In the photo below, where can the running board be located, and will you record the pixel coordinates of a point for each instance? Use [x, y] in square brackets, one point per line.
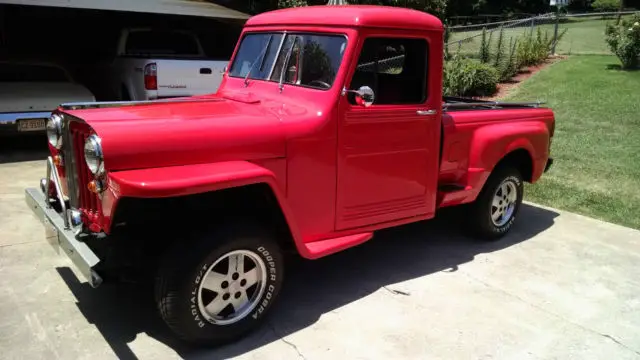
[326, 247]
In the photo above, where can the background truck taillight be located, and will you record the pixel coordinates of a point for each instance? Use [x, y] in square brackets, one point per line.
[151, 76]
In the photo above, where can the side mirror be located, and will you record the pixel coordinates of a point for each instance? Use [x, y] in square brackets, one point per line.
[364, 95]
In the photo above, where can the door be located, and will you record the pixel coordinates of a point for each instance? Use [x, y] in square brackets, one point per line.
[388, 152]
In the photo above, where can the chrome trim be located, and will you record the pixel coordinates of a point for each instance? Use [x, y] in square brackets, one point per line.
[71, 167]
[426, 112]
[12, 118]
[106, 104]
[75, 217]
[56, 120]
[59, 194]
[364, 95]
[286, 61]
[80, 253]
[44, 184]
[273, 66]
[490, 104]
[96, 143]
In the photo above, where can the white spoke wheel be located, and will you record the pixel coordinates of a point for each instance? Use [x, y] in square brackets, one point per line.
[232, 286]
[214, 287]
[493, 213]
[504, 202]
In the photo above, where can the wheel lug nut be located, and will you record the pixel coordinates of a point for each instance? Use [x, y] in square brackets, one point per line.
[224, 284]
[243, 282]
[225, 297]
[237, 295]
[235, 276]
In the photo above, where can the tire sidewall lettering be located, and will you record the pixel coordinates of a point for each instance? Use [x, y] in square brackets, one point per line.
[271, 279]
[268, 295]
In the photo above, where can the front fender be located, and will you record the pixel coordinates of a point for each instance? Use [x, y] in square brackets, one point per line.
[192, 179]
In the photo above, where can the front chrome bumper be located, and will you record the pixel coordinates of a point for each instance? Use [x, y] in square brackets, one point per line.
[61, 235]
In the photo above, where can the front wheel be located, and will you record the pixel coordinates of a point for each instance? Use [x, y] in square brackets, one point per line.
[493, 213]
[220, 286]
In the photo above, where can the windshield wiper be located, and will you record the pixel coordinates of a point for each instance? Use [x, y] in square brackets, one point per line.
[260, 56]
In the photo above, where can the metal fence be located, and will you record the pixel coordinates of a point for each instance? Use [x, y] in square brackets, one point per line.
[577, 33]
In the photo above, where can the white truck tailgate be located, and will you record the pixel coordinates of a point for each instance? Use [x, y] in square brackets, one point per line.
[188, 77]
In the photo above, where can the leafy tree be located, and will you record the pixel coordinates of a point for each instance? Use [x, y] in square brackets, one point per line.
[606, 5]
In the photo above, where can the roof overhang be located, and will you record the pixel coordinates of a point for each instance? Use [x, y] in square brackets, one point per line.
[199, 8]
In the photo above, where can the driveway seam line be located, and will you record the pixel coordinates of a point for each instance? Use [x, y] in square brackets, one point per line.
[553, 314]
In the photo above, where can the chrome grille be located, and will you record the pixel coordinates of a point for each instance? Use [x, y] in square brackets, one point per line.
[87, 200]
[77, 172]
[70, 163]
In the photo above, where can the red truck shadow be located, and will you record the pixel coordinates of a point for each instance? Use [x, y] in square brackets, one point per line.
[121, 312]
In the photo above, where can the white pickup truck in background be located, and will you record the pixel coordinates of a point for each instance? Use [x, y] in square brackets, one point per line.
[154, 64]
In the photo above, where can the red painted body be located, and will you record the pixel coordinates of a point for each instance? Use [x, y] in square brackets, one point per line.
[339, 171]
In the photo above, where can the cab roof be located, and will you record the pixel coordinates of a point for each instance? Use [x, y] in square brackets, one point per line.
[349, 16]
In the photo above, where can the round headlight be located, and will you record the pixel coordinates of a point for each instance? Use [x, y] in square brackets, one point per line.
[54, 131]
[93, 155]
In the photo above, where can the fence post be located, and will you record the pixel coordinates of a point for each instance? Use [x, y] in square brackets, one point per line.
[555, 31]
[533, 23]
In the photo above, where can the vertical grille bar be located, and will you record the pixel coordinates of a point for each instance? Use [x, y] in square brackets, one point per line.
[87, 201]
[77, 140]
[68, 145]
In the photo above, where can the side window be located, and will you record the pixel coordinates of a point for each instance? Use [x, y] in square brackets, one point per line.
[395, 68]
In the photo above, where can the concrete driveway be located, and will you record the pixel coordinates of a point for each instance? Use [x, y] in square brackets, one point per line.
[560, 286]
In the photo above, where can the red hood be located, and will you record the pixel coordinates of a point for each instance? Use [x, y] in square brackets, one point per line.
[182, 133]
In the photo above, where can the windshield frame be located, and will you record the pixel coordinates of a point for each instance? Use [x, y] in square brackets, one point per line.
[281, 48]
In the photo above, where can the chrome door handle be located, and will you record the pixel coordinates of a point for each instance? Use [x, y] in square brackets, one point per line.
[426, 112]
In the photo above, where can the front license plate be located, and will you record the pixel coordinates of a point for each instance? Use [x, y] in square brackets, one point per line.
[51, 234]
[31, 124]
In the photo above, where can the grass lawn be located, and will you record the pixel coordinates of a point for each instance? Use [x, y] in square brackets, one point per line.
[597, 141]
[584, 36]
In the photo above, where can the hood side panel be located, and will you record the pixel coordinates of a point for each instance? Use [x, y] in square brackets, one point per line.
[173, 134]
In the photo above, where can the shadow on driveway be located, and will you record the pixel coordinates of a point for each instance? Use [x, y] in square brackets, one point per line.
[312, 288]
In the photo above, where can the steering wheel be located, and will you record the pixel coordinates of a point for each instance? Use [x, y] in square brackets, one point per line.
[321, 83]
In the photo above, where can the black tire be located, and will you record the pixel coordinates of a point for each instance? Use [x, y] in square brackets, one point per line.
[479, 220]
[182, 271]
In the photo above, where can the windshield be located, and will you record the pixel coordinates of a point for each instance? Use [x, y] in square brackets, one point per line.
[312, 60]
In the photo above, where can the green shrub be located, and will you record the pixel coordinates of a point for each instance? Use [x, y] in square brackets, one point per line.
[624, 41]
[509, 68]
[606, 5]
[467, 77]
[533, 50]
[499, 58]
[485, 47]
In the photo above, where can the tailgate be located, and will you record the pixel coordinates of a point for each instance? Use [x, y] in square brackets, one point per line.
[188, 77]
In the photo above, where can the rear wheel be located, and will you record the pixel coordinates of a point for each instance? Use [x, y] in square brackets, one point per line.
[220, 286]
[494, 212]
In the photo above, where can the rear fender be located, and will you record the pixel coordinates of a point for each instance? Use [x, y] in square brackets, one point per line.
[490, 144]
[178, 181]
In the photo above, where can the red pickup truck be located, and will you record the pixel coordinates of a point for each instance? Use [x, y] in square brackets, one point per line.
[329, 125]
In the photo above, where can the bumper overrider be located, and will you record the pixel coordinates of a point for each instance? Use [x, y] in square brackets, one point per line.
[62, 228]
